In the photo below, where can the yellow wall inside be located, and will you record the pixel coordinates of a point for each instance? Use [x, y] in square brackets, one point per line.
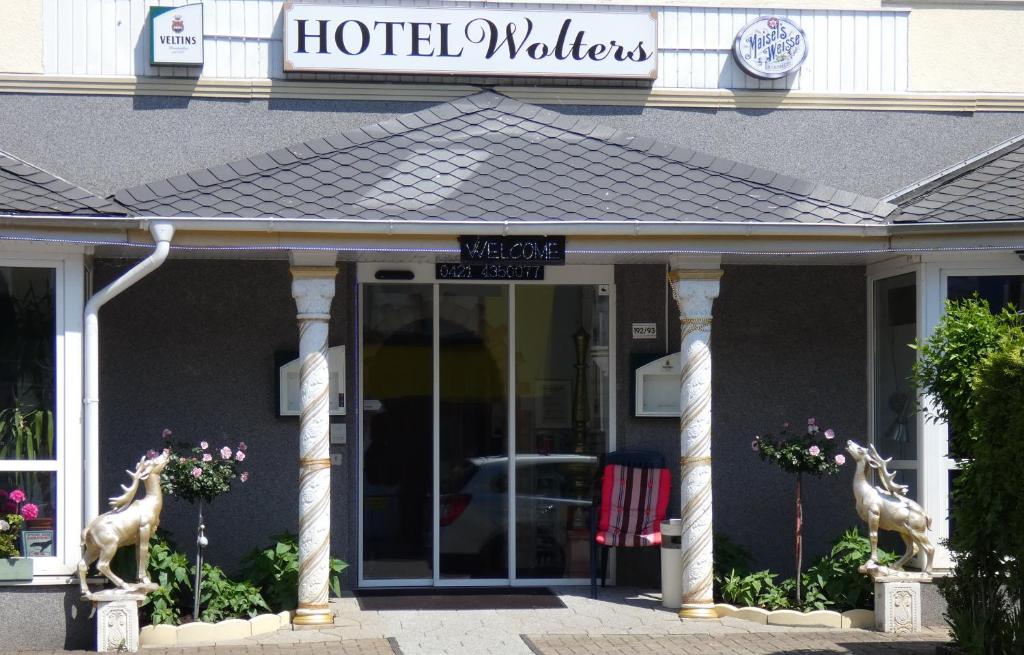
[21, 43]
[967, 50]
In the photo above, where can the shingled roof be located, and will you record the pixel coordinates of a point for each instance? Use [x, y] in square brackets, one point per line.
[989, 187]
[488, 157]
[27, 189]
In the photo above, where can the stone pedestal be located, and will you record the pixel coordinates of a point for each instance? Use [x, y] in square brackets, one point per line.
[117, 620]
[897, 606]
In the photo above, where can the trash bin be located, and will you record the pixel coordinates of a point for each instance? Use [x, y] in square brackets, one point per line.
[671, 564]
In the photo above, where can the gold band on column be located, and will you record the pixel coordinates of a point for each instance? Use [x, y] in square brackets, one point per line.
[315, 616]
[698, 613]
[315, 464]
[677, 274]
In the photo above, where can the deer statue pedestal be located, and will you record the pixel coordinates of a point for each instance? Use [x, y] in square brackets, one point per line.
[117, 618]
[898, 604]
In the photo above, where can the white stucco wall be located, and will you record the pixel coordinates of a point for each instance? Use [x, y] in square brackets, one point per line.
[21, 45]
[967, 48]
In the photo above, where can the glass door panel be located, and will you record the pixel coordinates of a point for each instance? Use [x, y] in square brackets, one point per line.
[561, 400]
[895, 397]
[473, 438]
[398, 387]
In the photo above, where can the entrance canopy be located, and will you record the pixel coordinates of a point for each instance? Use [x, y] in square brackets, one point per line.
[489, 158]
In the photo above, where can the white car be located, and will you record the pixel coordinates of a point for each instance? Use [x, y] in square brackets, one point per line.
[474, 517]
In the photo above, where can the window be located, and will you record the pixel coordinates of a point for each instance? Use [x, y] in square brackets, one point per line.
[40, 317]
[906, 300]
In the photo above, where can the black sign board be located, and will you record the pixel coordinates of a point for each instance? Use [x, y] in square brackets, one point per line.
[488, 272]
[474, 249]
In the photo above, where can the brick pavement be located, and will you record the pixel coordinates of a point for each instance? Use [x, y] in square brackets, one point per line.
[620, 622]
[804, 642]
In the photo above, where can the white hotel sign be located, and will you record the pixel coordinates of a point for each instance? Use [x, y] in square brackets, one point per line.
[461, 41]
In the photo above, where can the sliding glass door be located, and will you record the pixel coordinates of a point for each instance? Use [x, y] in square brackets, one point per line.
[486, 406]
[473, 435]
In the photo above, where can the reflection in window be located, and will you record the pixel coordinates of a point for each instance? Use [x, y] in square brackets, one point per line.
[27, 393]
[895, 327]
[998, 290]
[27, 345]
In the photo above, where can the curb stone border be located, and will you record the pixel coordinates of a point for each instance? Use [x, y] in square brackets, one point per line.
[200, 632]
[857, 619]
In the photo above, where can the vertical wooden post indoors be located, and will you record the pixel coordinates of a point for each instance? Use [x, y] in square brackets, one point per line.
[695, 289]
[313, 290]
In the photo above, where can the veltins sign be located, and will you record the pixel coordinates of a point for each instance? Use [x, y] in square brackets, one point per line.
[480, 41]
[770, 47]
[177, 35]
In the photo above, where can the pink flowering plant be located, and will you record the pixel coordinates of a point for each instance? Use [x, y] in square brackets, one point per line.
[199, 472]
[14, 511]
[812, 452]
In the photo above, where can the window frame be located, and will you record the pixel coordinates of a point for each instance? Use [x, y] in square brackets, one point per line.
[69, 295]
[932, 465]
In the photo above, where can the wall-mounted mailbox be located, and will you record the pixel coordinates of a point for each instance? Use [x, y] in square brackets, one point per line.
[289, 401]
[658, 385]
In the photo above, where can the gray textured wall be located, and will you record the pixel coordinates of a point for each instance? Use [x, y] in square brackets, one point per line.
[109, 143]
[788, 343]
[191, 348]
[44, 618]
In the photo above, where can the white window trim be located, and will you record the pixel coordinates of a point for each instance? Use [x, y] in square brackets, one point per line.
[69, 292]
[929, 465]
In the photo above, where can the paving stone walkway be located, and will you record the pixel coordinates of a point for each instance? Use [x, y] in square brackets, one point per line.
[804, 642]
[619, 622]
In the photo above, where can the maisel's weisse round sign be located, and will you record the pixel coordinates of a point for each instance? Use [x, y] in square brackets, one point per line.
[770, 47]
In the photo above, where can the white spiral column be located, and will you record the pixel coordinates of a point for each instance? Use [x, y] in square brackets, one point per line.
[695, 290]
[313, 289]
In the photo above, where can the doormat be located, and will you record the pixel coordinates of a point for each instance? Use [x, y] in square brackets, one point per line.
[503, 598]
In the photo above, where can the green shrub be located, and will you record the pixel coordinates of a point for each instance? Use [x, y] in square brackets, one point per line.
[729, 556]
[168, 568]
[984, 595]
[222, 598]
[834, 582]
[947, 362]
[757, 590]
[275, 570]
[974, 365]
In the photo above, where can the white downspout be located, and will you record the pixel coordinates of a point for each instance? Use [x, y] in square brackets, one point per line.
[162, 234]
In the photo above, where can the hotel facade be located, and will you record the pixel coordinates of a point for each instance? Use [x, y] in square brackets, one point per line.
[507, 238]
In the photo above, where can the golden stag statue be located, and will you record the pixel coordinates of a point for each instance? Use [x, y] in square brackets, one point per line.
[888, 507]
[125, 524]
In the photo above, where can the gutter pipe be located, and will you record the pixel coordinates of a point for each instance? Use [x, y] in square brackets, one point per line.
[162, 233]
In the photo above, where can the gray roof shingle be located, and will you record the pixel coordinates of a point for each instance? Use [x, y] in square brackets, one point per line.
[488, 157]
[27, 189]
[989, 187]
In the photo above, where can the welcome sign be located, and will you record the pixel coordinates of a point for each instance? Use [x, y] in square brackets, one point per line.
[469, 41]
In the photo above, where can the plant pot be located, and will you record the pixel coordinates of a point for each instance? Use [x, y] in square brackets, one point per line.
[39, 524]
[16, 569]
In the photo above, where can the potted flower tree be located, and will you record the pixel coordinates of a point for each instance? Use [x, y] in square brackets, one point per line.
[812, 452]
[198, 475]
